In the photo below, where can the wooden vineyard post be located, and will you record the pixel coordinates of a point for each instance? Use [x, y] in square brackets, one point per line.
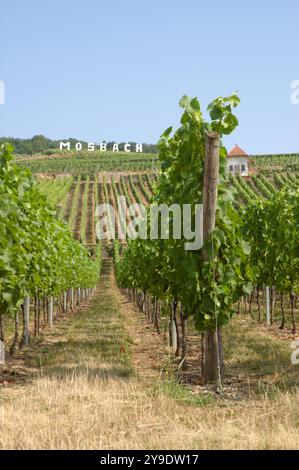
[72, 298]
[2, 345]
[212, 345]
[50, 312]
[65, 302]
[2, 353]
[268, 318]
[68, 300]
[26, 319]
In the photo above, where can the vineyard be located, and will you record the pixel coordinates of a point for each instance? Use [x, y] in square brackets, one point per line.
[240, 253]
[76, 200]
[76, 197]
[44, 270]
[80, 162]
[90, 163]
[149, 232]
[192, 323]
[276, 163]
[162, 302]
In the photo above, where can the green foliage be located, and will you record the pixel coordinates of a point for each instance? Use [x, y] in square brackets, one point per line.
[260, 187]
[75, 203]
[56, 191]
[271, 227]
[84, 212]
[270, 164]
[38, 254]
[81, 163]
[207, 289]
[223, 120]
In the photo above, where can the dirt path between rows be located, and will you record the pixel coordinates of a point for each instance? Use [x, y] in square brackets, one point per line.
[149, 350]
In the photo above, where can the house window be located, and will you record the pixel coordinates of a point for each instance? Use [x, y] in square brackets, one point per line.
[243, 168]
[231, 168]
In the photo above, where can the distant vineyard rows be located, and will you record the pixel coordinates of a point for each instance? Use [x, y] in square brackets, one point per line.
[89, 164]
[77, 197]
[82, 162]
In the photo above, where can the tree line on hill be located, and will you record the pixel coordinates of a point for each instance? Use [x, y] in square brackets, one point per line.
[41, 144]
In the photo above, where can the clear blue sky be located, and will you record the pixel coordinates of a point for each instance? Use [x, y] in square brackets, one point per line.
[116, 69]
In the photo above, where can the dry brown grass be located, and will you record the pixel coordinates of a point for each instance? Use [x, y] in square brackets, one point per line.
[86, 396]
[83, 413]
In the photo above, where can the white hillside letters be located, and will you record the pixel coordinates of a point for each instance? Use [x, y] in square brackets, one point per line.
[102, 146]
[65, 146]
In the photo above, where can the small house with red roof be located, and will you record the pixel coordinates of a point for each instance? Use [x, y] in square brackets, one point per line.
[238, 162]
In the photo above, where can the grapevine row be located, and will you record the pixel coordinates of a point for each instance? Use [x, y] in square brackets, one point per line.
[39, 258]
